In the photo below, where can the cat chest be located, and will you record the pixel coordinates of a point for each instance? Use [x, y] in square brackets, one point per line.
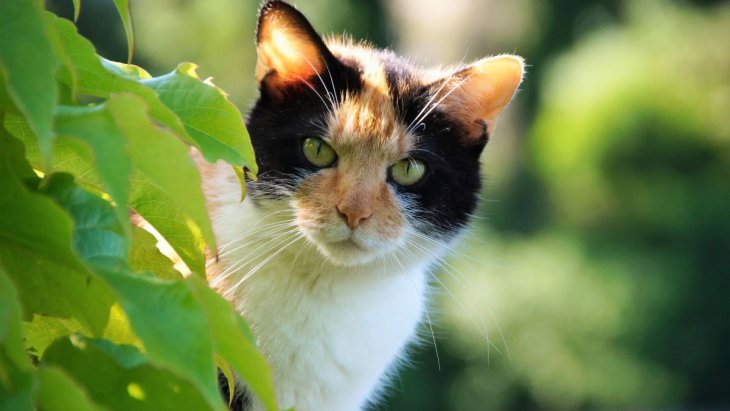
[333, 335]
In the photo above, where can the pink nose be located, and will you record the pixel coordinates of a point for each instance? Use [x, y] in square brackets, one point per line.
[354, 213]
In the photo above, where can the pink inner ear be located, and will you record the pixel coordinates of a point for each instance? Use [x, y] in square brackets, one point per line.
[289, 53]
[483, 91]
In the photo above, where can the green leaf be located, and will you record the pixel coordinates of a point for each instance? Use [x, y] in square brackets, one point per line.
[35, 249]
[160, 210]
[28, 64]
[101, 80]
[172, 326]
[165, 183]
[95, 126]
[126, 15]
[77, 9]
[234, 341]
[120, 377]
[41, 331]
[11, 340]
[163, 160]
[16, 386]
[213, 122]
[129, 71]
[144, 256]
[58, 392]
[164, 314]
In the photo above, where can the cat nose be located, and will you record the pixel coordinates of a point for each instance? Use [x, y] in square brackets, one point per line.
[354, 213]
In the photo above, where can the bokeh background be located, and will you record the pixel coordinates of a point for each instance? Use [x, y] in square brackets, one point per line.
[597, 274]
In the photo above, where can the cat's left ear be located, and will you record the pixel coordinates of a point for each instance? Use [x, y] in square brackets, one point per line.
[477, 94]
[290, 52]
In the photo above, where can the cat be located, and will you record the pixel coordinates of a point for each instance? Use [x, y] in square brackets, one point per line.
[369, 170]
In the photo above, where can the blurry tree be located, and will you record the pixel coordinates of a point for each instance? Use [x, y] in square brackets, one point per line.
[618, 297]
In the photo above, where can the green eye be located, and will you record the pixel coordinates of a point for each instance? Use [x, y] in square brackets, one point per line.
[407, 172]
[318, 152]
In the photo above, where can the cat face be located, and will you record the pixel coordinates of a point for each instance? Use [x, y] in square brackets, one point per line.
[368, 151]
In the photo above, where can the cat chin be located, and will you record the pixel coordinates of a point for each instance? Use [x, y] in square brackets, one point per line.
[347, 253]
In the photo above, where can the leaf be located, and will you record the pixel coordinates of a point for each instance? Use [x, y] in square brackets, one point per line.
[126, 15]
[58, 392]
[213, 122]
[95, 126]
[11, 340]
[100, 80]
[163, 160]
[16, 386]
[234, 341]
[77, 9]
[28, 64]
[35, 249]
[41, 331]
[165, 183]
[129, 71]
[175, 226]
[145, 256]
[120, 377]
[164, 314]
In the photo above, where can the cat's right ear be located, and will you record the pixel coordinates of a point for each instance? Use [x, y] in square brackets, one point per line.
[290, 52]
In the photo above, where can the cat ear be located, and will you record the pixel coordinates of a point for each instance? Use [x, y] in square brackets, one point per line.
[290, 52]
[478, 94]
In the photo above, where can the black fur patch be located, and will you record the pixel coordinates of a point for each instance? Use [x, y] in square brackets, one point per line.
[241, 400]
[448, 193]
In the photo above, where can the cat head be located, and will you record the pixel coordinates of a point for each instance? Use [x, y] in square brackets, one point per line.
[367, 150]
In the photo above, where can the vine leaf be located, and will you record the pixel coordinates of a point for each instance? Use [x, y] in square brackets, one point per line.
[95, 126]
[126, 14]
[35, 249]
[59, 392]
[27, 64]
[158, 310]
[101, 78]
[234, 342]
[120, 377]
[11, 340]
[213, 122]
[77, 9]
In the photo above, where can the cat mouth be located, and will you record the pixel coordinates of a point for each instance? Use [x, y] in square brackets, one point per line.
[350, 244]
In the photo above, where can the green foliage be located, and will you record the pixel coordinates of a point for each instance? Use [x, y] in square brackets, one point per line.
[92, 315]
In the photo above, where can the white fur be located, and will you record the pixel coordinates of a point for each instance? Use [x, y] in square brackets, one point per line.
[330, 332]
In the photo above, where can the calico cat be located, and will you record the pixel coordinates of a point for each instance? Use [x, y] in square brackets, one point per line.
[369, 170]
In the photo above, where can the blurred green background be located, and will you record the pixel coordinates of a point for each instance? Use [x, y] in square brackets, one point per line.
[597, 274]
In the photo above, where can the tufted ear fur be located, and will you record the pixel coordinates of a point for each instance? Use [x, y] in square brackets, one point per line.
[477, 94]
[290, 52]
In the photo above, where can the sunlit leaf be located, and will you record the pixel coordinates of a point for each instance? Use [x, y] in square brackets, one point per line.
[95, 126]
[165, 183]
[120, 377]
[42, 330]
[35, 249]
[163, 160]
[28, 64]
[144, 256]
[158, 310]
[126, 14]
[77, 9]
[102, 80]
[211, 120]
[234, 342]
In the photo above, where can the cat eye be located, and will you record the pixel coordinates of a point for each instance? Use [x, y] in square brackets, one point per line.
[319, 153]
[407, 172]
